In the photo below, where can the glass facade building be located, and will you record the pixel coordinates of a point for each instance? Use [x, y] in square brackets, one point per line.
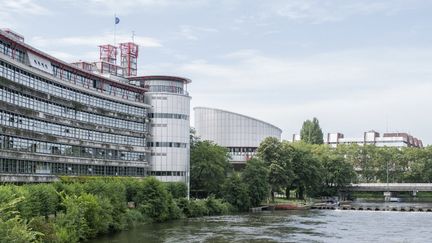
[58, 119]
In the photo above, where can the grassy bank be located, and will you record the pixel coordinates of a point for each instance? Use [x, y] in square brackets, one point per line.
[83, 208]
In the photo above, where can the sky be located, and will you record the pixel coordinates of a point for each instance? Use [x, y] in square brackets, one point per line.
[356, 65]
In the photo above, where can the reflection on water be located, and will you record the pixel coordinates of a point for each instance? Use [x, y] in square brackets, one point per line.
[288, 226]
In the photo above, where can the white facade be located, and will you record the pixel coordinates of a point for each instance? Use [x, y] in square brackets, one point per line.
[170, 126]
[397, 139]
[239, 133]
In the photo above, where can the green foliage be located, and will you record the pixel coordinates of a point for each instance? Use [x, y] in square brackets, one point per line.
[216, 206]
[46, 228]
[78, 210]
[194, 139]
[115, 192]
[176, 189]
[12, 227]
[209, 167]
[311, 132]
[41, 200]
[133, 217]
[307, 170]
[236, 192]
[255, 177]
[270, 150]
[153, 200]
[198, 208]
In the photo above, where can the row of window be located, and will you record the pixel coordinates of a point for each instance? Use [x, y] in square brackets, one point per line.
[98, 85]
[16, 98]
[13, 166]
[34, 146]
[166, 144]
[14, 54]
[242, 150]
[20, 76]
[18, 121]
[76, 78]
[166, 88]
[168, 115]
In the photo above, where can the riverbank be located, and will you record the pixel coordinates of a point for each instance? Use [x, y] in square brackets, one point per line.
[84, 208]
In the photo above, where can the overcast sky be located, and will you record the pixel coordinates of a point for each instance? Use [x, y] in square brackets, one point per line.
[356, 65]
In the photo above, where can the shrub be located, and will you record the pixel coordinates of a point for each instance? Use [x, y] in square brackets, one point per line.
[216, 206]
[198, 208]
[176, 189]
[41, 200]
[153, 200]
[134, 217]
[236, 193]
[12, 227]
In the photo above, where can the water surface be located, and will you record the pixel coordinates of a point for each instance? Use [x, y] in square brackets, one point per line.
[288, 226]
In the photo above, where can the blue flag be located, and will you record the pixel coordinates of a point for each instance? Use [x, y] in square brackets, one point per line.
[117, 20]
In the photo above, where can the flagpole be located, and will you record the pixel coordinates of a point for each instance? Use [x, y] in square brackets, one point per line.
[115, 27]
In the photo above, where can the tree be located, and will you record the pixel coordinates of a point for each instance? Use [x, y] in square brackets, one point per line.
[209, 167]
[193, 137]
[269, 150]
[236, 192]
[255, 177]
[307, 170]
[311, 132]
[278, 157]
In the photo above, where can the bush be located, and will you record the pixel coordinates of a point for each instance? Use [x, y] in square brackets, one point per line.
[236, 193]
[45, 227]
[134, 217]
[176, 189]
[12, 227]
[198, 208]
[216, 206]
[153, 200]
[174, 211]
[41, 200]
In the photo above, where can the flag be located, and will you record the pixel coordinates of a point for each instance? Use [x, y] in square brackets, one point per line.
[117, 20]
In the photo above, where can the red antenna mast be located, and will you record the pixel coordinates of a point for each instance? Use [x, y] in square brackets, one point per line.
[129, 58]
[108, 53]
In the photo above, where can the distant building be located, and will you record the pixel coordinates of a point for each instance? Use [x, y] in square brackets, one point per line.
[239, 133]
[396, 139]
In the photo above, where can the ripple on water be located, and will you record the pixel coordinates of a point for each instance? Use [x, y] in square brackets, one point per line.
[289, 226]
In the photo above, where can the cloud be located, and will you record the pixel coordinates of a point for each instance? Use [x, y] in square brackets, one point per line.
[320, 11]
[21, 7]
[74, 48]
[349, 91]
[193, 32]
[93, 40]
[10, 9]
[108, 7]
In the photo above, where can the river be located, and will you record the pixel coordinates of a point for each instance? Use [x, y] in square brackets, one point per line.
[287, 226]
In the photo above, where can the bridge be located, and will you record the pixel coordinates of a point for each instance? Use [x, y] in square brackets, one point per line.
[391, 187]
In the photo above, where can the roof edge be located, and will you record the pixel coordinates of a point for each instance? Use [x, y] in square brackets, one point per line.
[209, 108]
